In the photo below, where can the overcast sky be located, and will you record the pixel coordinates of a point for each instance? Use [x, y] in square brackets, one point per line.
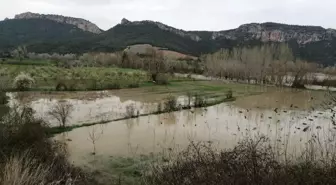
[183, 14]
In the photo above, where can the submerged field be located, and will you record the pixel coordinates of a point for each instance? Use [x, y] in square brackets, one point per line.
[123, 150]
[101, 106]
[120, 149]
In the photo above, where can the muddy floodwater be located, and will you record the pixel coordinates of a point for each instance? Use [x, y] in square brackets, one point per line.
[90, 107]
[289, 118]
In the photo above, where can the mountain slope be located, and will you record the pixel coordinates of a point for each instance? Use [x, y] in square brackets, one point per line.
[123, 35]
[82, 24]
[16, 32]
[264, 32]
[45, 34]
[312, 43]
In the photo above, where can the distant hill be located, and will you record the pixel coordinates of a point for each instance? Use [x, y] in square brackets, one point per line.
[14, 32]
[42, 34]
[82, 24]
[312, 43]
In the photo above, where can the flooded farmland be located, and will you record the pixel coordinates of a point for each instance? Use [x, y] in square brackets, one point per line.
[289, 118]
[223, 124]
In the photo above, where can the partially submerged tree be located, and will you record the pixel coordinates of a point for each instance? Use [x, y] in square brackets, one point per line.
[94, 136]
[61, 111]
[300, 72]
[130, 111]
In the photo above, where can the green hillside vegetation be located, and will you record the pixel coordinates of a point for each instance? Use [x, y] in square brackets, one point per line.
[46, 36]
[16, 32]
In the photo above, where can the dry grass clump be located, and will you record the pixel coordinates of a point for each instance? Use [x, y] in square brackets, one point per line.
[250, 162]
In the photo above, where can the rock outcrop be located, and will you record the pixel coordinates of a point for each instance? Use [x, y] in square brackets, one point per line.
[265, 32]
[275, 32]
[79, 23]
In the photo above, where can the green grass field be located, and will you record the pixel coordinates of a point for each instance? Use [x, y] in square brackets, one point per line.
[88, 78]
[47, 77]
[50, 77]
[28, 62]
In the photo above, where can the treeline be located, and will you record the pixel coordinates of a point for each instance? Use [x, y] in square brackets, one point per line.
[152, 60]
[266, 64]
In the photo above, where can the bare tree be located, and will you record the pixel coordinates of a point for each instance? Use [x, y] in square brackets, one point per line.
[94, 135]
[301, 71]
[156, 62]
[251, 64]
[130, 111]
[61, 111]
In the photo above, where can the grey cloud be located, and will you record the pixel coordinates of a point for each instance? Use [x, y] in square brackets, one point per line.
[76, 2]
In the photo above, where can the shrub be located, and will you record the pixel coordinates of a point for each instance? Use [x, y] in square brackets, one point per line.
[114, 85]
[92, 85]
[130, 111]
[3, 98]
[23, 82]
[73, 86]
[28, 156]
[250, 162]
[229, 94]
[61, 87]
[134, 85]
[23, 170]
[202, 164]
[61, 111]
[3, 104]
[199, 101]
[159, 108]
[153, 76]
[162, 79]
[170, 104]
[190, 97]
[120, 73]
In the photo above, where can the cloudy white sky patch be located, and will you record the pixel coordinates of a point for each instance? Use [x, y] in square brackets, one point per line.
[183, 14]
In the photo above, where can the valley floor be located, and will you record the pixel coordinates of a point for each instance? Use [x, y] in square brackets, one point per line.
[128, 150]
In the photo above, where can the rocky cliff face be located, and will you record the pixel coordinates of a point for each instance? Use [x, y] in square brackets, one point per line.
[275, 32]
[265, 32]
[80, 23]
